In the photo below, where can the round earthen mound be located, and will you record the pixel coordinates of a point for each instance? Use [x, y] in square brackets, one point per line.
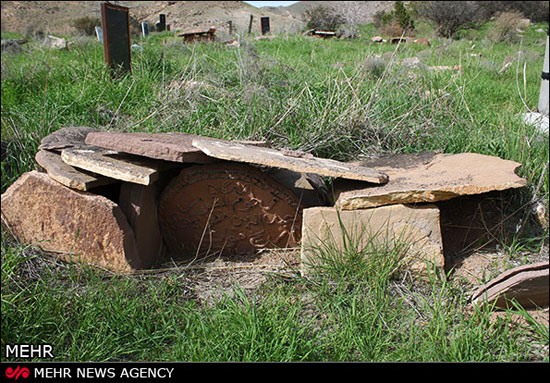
[229, 209]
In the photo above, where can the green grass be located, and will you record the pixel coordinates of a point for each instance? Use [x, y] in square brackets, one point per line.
[319, 96]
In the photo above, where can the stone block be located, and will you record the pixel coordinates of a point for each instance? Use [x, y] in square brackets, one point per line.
[414, 229]
[79, 226]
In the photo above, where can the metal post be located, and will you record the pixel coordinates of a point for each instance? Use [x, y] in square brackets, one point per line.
[543, 96]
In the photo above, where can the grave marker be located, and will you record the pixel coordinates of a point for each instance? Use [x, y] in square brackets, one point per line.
[162, 22]
[145, 29]
[264, 21]
[99, 34]
[116, 37]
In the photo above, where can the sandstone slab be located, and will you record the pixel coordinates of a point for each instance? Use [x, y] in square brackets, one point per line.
[66, 174]
[233, 151]
[69, 137]
[229, 209]
[414, 229]
[139, 205]
[528, 285]
[115, 165]
[80, 226]
[174, 146]
[429, 177]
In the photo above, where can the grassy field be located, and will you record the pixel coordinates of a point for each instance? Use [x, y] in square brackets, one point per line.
[341, 99]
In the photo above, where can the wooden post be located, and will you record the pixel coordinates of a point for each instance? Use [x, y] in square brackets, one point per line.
[230, 26]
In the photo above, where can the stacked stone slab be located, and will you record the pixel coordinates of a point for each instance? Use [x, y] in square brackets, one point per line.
[98, 201]
[404, 205]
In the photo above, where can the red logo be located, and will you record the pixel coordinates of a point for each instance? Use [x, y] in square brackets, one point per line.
[18, 372]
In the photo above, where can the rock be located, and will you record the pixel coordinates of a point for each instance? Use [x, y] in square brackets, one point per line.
[527, 284]
[229, 209]
[422, 41]
[114, 165]
[415, 228]
[232, 151]
[377, 39]
[12, 45]
[80, 226]
[439, 68]
[139, 204]
[308, 188]
[411, 62]
[429, 177]
[66, 174]
[538, 120]
[163, 146]
[69, 137]
[56, 42]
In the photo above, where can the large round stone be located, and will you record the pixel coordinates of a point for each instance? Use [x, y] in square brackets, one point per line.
[228, 208]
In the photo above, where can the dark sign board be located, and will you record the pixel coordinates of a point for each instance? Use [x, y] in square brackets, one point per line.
[116, 37]
[265, 25]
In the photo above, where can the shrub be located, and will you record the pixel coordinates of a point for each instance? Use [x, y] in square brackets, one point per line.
[450, 16]
[403, 17]
[505, 27]
[86, 25]
[395, 22]
[323, 18]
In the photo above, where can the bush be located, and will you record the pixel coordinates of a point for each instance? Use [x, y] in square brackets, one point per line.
[536, 11]
[450, 16]
[323, 18]
[505, 27]
[86, 25]
[395, 22]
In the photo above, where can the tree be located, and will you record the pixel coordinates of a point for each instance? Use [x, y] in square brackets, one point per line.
[323, 18]
[450, 16]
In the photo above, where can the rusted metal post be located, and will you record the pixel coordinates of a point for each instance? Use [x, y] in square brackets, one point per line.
[250, 24]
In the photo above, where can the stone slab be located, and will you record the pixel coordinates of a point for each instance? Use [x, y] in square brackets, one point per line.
[69, 137]
[115, 165]
[416, 229]
[68, 175]
[80, 226]
[429, 177]
[229, 208]
[174, 146]
[233, 151]
[139, 204]
[527, 284]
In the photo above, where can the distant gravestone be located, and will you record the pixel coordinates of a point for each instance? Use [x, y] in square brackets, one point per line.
[116, 37]
[162, 22]
[264, 21]
[145, 29]
[99, 34]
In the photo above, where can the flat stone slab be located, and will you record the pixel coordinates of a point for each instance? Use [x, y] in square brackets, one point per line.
[69, 137]
[79, 226]
[528, 285]
[115, 165]
[233, 151]
[414, 229]
[163, 146]
[429, 177]
[68, 175]
[232, 209]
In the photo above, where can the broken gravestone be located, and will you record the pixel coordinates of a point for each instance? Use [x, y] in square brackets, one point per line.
[79, 226]
[227, 209]
[528, 285]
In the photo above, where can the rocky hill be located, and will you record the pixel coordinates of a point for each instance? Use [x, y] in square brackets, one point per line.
[57, 17]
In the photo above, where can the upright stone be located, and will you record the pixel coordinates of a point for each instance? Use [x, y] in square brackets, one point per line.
[327, 231]
[99, 34]
[139, 204]
[79, 226]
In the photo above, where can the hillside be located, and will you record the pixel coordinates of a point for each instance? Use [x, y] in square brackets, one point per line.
[56, 17]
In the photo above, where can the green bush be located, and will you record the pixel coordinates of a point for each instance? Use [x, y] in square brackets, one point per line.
[323, 18]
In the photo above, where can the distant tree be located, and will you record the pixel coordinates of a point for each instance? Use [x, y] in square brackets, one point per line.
[450, 16]
[353, 13]
[86, 25]
[403, 17]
